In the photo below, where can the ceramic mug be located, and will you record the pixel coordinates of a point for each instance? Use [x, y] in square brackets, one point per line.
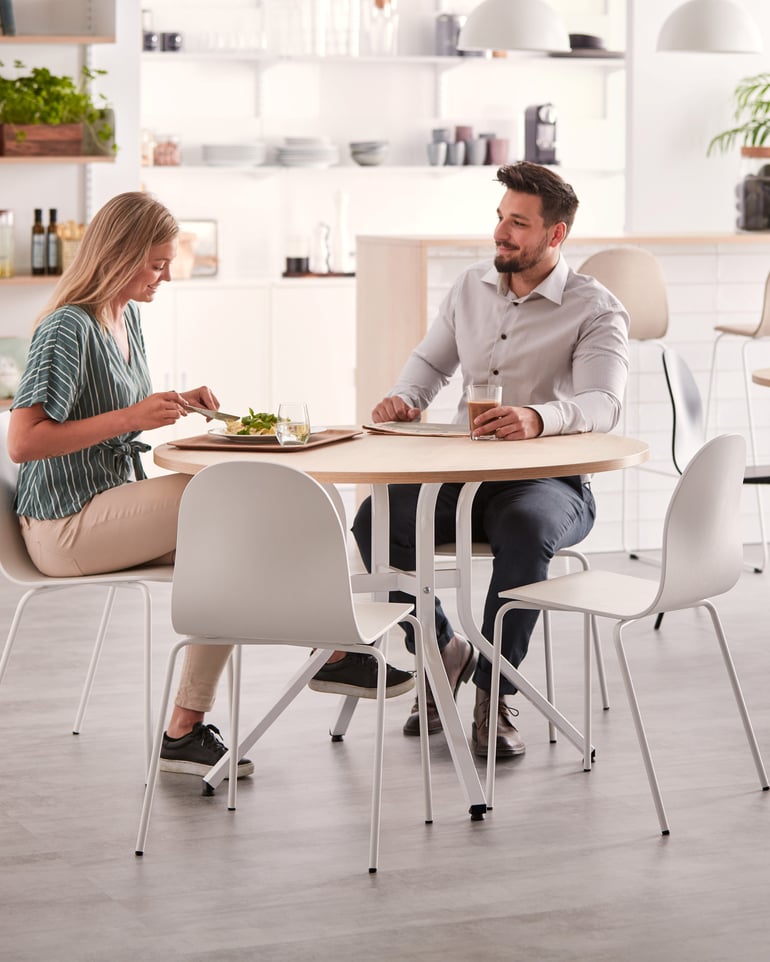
[498, 150]
[455, 155]
[437, 153]
[476, 151]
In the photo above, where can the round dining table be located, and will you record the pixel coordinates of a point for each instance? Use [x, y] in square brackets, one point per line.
[377, 460]
[761, 376]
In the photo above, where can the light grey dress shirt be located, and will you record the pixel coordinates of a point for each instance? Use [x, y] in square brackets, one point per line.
[562, 350]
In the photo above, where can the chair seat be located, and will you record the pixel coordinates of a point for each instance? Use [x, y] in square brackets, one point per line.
[603, 593]
[376, 617]
[738, 329]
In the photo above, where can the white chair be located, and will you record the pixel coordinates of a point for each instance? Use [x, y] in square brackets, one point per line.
[262, 560]
[482, 550]
[702, 556]
[16, 566]
[635, 277]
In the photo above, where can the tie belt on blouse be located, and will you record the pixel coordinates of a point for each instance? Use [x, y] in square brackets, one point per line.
[130, 452]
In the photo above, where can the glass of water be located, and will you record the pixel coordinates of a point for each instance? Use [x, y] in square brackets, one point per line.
[293, 425]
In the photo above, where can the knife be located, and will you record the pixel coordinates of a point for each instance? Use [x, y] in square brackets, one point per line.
[217, 415]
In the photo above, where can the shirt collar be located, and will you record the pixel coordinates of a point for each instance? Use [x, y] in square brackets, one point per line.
[552, 287]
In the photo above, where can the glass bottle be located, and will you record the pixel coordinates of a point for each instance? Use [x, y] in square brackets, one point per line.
[38, 243]
[6, 243]
[53, 245]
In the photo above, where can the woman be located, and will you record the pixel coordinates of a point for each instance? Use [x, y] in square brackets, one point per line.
[84, 503]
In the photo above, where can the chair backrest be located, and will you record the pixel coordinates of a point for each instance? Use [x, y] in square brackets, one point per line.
[635, 277]
[688, 429]
[702, 543]
[763, 328]
[15, 562]
[261, 555]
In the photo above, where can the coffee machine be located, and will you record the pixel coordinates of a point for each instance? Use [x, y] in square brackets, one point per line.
[540, 134]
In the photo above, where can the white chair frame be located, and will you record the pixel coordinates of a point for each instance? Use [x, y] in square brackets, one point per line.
[296, 550]
[701, 523]
[17, 567]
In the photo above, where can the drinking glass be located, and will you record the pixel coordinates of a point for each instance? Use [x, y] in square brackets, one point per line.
[293, 425]
[482, 397]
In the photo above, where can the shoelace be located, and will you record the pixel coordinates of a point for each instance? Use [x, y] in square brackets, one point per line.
[503, 709]
[211, 737]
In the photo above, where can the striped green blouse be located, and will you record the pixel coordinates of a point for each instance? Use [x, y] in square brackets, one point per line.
[75, 369]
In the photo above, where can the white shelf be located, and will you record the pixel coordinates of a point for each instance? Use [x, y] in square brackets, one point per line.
[267, 59]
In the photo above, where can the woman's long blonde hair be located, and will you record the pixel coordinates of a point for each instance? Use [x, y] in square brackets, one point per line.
[115, 246]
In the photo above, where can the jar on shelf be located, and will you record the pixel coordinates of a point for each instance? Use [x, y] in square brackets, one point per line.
[147, 149]
[752, 195]
[167, 152]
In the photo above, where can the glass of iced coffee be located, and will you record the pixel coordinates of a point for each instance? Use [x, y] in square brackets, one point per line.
[482, 397]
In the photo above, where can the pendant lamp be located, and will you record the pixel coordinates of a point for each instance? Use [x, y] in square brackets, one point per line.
[710, 26]
[514, 25]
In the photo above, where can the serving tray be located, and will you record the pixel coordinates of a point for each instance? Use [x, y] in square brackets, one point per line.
[208, 442]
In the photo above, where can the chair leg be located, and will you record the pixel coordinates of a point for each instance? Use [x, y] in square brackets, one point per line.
[550, 686]
[641, 735]
[13, 630]
[738, 694]
[152, 771]
[494, 701]
[422, 703]
[379, 745]
[587, 751]
[754, 457]
[236, 660]
[95, 654]
[712, 382]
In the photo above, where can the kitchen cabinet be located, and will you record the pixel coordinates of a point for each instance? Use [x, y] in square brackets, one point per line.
[313, 354]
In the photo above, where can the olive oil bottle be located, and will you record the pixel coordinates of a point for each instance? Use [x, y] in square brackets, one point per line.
[38, 243]
[53, 246]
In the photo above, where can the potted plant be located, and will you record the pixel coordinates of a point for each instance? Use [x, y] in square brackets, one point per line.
[752, 132]
[752, 114]
[44, 114]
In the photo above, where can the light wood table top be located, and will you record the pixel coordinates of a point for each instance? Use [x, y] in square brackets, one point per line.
[761, 376]
[392, 459]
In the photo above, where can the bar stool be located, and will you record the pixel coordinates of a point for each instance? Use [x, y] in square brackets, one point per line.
[749, 334]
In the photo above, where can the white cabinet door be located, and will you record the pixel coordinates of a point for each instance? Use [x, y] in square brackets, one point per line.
[314, 348]
[214, 335]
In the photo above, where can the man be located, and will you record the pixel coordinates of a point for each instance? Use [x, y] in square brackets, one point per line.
[557, 341]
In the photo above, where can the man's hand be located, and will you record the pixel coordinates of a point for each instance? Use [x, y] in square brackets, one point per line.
[509, 424]
[394, 409]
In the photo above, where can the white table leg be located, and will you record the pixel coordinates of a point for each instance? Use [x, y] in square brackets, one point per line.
[442, 692]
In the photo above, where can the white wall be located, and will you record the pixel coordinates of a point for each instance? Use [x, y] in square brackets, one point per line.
[677, 103]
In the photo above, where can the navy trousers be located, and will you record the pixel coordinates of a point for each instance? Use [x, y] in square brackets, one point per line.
[524, 522]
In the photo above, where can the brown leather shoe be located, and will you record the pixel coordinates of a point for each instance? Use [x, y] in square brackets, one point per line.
[509, 741]
[459, 658]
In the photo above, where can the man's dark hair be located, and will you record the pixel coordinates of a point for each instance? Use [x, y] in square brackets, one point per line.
[558, 199]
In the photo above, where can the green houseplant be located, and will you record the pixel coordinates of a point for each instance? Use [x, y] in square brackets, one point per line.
[752, 115]
[42, 113]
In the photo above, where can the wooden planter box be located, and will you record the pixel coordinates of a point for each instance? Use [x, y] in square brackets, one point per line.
[41, 140]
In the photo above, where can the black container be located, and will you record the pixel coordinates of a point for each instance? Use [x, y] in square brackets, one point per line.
[297, 265]
[171, 42]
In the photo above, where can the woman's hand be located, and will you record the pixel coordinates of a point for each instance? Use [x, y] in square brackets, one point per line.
[202, 397]
[508, 423]
[157, 411]
[394, 409]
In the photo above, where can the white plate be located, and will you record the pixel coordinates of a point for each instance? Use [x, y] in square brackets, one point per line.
[243, 438]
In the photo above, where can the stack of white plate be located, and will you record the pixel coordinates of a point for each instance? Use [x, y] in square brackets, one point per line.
[307, 152]
[234, 155]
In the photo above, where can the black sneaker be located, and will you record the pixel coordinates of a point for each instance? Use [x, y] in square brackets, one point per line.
[356, 674]
[196, 752]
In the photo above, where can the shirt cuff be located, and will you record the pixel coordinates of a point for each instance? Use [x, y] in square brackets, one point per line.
[551, 418]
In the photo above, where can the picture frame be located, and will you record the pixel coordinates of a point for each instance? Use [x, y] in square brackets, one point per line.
[198, 250]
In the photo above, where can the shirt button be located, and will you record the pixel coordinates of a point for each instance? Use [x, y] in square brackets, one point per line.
[495, 372]
[503, 337]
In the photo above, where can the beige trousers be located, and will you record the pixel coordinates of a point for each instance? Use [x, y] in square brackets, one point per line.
[133, 524]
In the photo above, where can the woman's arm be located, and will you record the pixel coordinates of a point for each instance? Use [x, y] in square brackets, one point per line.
[32, 435]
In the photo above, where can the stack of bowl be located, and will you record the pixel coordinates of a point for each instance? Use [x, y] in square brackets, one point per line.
[369, 153]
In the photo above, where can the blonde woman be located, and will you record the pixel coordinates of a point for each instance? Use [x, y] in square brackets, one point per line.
[84, 503]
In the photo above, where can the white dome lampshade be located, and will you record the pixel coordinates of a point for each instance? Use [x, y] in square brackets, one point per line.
[514, 25]
[710, 26]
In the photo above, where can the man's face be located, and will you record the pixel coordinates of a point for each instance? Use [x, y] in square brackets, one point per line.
[522, 240]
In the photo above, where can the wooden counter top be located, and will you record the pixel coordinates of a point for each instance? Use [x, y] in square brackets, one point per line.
[445, 240]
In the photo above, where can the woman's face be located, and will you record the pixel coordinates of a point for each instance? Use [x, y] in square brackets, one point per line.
[146, 281]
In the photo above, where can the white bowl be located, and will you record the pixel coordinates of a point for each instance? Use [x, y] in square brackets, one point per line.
[369, 156]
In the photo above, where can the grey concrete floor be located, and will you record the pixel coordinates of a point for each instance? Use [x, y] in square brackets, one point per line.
[569, 865]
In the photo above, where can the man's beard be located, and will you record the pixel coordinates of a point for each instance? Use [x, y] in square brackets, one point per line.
[519, 263]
